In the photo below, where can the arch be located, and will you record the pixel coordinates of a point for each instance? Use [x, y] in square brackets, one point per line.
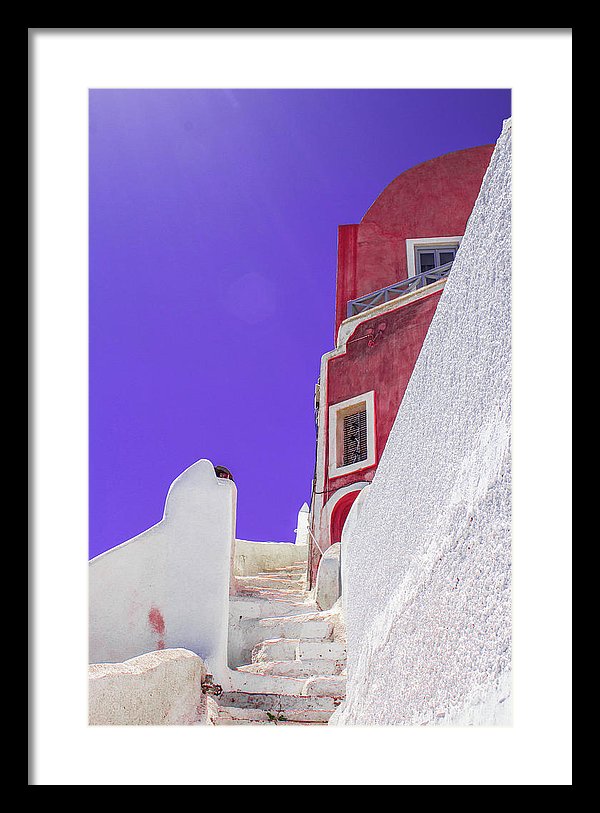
[337, 508]
[339, 516]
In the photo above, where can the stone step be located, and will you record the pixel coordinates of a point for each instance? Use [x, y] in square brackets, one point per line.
[246, 633]
[293, 567]
[325, 686]
[237, 715]
[275, 649]
[274, 702]
[306, 669]
[296, 626]
[331, 650]
[272, 595]
[298, 649]
[272, 581]
[285, 573]
[242, 607]
[234, 721]
[256, 683]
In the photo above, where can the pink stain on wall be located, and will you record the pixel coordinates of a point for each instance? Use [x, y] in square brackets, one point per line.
[157, 622]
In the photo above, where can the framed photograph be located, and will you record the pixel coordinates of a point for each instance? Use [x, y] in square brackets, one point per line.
[286, 338]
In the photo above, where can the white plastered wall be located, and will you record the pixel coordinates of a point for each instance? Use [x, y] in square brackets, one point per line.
[427, 553]
[169, 586]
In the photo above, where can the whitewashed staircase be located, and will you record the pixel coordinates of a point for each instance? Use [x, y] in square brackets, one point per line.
[296, 653]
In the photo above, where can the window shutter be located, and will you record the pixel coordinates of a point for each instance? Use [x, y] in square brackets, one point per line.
[355, 438]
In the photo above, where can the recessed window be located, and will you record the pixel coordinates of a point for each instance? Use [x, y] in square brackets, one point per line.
[425, 254]
[352, 434]
[430, 257]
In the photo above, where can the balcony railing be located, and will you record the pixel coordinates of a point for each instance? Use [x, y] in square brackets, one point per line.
[406, 286]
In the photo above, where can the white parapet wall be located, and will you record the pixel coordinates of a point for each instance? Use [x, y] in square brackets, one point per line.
[328, 582]
[158, 688]
[426, 560]
[347, 530]
[266, 557]
[169, 586]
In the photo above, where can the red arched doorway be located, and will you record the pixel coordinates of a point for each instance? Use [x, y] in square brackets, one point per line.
[339, 516]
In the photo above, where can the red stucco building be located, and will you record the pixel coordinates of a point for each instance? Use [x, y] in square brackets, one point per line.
[391, 271]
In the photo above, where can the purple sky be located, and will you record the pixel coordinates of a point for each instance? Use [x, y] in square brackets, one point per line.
[213, 234]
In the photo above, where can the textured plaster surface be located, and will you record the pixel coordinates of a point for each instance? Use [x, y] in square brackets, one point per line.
[158, 688]
[426, 564]
[327, 589]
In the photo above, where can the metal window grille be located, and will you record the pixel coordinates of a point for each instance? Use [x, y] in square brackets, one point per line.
[355, 437]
